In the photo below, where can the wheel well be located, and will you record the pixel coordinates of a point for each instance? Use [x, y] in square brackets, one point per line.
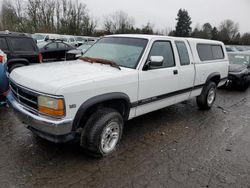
[121, 105]
[11, 63]
[215, 79]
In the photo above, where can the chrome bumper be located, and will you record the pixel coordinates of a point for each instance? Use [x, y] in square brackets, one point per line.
[50, 129]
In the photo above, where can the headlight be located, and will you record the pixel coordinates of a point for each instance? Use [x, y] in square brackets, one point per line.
[51, 106]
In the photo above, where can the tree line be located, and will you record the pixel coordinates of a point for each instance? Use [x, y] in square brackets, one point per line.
[73, 18]
[227, 31]
[63, 17]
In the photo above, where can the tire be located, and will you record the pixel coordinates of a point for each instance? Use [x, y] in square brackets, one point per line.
[102, 132]
[208, 95]
[14, 66]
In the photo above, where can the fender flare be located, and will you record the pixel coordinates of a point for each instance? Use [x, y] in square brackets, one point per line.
[17, 60]
[23, 60]
[97, 100]
[212, 75]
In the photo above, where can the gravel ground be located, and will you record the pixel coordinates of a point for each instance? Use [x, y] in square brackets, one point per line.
[179, 146]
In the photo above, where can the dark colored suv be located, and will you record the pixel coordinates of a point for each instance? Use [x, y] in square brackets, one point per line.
[21, 50]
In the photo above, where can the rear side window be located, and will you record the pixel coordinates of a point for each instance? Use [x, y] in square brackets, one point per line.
[3, 44]
[62, 46]
[217, 52]
[52, 45]
[210, 52]
[183, 53]
[22, 44]
[163, 48]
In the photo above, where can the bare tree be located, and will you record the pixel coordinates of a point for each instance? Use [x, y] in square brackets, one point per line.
[119, 22]
[228, 30]
[9, 16]
[245, 39]
[33, 14]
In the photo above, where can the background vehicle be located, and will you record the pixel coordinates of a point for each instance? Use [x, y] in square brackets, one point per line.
[231, 49]
[20, 49]
[237, 48]
[76, 53]
[54, 50]
[119, 78]
[239, 70]
[4, 83]
[84, 39]
[69, 39]
[43, 37]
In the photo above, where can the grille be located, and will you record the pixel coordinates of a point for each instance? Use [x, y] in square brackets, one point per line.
[25, 97]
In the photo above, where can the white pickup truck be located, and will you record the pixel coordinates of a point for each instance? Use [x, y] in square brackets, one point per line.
[119, 78]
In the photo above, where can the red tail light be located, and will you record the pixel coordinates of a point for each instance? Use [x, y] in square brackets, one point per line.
[40, 58]
[1, 59]
[6, 93]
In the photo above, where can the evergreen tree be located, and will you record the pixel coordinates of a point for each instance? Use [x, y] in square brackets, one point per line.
[207, 31]
[215, 33]
[183, 26]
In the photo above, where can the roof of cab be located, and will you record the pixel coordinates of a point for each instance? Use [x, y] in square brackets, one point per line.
[149, 37]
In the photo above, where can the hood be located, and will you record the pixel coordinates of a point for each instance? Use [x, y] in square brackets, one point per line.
[50, 77]
[237, 67]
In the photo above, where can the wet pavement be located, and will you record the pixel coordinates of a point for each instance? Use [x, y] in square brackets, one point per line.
[179, 146]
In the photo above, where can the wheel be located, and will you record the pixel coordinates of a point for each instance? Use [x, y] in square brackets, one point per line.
[208, 95]
[244, 85]
[102, 132]
[14, 66]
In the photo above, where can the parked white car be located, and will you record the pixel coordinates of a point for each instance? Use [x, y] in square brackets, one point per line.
[119, 78]
[42, 37]
[70, 39]
[85, 39]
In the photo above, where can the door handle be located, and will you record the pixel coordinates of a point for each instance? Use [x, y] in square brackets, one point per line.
[175, 72]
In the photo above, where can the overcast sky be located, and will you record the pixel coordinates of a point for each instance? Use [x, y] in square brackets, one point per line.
[162, 13]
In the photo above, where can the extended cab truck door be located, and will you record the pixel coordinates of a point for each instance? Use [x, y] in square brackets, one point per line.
[186, 69]
[157, 85]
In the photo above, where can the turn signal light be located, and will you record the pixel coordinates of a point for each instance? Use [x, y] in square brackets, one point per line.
[51, 106]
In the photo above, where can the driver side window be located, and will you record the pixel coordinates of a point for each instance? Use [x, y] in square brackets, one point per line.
[164, 49]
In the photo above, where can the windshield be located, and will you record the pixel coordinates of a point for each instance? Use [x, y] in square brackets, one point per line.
[239, 59]
[125, 52]
[84, 47]
[38, 36]
[80, 39]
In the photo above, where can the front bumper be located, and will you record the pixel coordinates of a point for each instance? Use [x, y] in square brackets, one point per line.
[56, 131]
[238, 78]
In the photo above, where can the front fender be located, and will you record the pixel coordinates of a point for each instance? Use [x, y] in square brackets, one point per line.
[97, 100]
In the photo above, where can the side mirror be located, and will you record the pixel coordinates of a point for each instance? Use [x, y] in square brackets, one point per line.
[154, 61]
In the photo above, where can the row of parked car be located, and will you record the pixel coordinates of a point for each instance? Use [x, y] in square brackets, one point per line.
[69, 39]
[23, 49]
[237, 48]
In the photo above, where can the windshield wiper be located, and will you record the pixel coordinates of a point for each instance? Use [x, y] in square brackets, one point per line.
[101, 61]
